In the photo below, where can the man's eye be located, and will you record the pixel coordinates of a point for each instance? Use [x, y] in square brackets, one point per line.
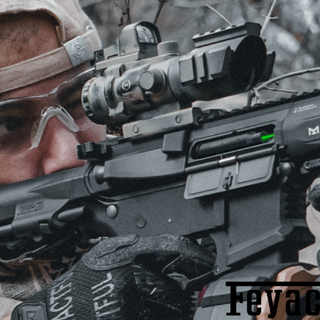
[10, 124]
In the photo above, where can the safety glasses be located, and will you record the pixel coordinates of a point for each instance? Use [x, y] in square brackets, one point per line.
[23, 120]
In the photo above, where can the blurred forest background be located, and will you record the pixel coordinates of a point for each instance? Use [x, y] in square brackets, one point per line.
[293, 32]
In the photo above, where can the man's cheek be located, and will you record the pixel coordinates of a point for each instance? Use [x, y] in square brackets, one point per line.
[93, 133]
[19, 167]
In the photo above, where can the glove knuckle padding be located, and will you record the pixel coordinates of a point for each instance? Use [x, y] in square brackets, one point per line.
[122, 278]
[154, 253]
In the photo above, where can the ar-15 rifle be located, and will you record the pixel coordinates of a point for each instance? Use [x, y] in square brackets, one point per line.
[233, 180]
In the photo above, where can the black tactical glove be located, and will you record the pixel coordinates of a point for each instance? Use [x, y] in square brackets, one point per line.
[124, 278]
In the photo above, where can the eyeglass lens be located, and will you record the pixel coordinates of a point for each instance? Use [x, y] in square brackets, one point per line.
[19, 117]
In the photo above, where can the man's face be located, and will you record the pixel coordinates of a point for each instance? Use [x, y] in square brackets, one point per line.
[22, 39]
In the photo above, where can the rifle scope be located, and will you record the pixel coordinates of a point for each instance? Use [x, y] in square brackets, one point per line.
[143, 77]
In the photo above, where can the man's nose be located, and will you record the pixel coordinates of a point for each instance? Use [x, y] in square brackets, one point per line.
[58, 148]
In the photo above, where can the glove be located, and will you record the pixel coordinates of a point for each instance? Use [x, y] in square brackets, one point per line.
[124, 278]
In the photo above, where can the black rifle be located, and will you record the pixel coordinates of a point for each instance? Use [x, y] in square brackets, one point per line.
[235, 181]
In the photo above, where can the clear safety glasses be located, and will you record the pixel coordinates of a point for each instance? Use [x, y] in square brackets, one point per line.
[23, 120]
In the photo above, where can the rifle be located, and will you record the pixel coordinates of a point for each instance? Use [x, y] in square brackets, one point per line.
[234, 181]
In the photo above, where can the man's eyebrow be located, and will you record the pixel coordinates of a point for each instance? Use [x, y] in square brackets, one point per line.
[15, 104]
